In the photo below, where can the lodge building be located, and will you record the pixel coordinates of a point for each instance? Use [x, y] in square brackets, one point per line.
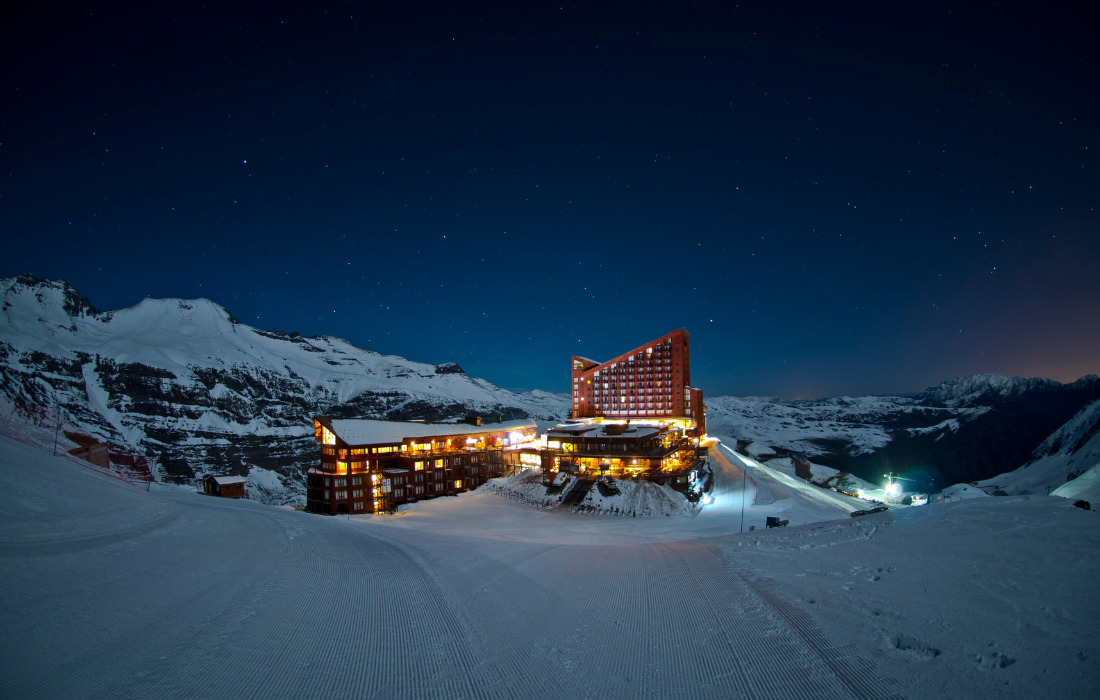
[373, 466]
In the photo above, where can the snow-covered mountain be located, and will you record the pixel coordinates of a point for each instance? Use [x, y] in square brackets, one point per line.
[961, 430]
[195, 390]
[1068, 453]
[981, 389]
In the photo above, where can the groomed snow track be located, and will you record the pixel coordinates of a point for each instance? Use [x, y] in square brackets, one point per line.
[110, 591]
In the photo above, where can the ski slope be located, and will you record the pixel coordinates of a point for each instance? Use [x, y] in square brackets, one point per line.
[112, 591]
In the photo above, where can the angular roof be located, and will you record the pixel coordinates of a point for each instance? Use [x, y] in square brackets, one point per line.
[640, 348]
[228, 480]
[366, 431]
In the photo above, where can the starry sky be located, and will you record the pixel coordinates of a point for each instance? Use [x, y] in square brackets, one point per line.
[848, 199]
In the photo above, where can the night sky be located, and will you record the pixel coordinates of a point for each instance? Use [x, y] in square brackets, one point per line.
[831, 200]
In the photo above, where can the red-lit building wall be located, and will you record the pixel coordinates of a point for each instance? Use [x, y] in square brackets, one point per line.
[650, 381]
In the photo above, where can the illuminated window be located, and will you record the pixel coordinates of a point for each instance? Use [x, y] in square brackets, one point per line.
[327, 437]
[458, 483]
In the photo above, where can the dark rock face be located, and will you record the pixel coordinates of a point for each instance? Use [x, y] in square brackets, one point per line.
[998, 432]
[211, 415]
[156, 406]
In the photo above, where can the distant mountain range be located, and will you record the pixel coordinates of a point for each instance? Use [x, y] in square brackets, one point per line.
[196, 391]
[963, 430]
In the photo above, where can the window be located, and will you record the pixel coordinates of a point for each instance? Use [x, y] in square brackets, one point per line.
[341, 494]
[438, 486]
[357, 493]
[419, 490]
[341, 482]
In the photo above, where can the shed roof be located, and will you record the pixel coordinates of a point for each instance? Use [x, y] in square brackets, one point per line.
[228, 480]
[599, 431]
[365, 431]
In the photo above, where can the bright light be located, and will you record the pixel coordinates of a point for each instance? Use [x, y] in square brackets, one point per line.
[893, 490]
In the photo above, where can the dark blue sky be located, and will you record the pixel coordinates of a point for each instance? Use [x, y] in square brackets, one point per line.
[831, 200]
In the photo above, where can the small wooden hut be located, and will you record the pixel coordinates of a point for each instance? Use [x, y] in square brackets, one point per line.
[226, 486]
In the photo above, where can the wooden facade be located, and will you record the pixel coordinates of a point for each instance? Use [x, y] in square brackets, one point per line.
[372, 466]
[225, 486]
[650, 381]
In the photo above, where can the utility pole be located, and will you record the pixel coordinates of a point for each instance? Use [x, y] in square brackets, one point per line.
[56, 429]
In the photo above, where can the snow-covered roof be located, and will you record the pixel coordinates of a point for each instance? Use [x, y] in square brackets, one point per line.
[229, 480]
[599, 430]
[365, 431]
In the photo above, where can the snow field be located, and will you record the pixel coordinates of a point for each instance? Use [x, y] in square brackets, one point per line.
[115, 592]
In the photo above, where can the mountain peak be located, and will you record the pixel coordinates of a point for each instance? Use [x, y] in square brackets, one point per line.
[981, 388]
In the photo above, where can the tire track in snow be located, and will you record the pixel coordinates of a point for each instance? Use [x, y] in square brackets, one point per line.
[772, 648]
[854, 671]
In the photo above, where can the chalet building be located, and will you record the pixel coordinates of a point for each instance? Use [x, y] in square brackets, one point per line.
[649, 382]
[373, 466]
[226, 486]
[90, 450]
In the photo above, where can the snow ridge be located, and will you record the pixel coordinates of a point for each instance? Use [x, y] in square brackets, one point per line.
[188, 385]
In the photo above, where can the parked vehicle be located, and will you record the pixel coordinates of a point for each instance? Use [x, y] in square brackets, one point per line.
[869, 511]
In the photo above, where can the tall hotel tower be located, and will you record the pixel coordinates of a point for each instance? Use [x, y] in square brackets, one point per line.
[650, 382]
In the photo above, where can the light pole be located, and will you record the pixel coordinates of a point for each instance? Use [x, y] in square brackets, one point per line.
[744, 484]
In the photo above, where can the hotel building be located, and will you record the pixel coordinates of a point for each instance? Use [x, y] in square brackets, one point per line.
[373, 466]
[650, 381]
[635, 416]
